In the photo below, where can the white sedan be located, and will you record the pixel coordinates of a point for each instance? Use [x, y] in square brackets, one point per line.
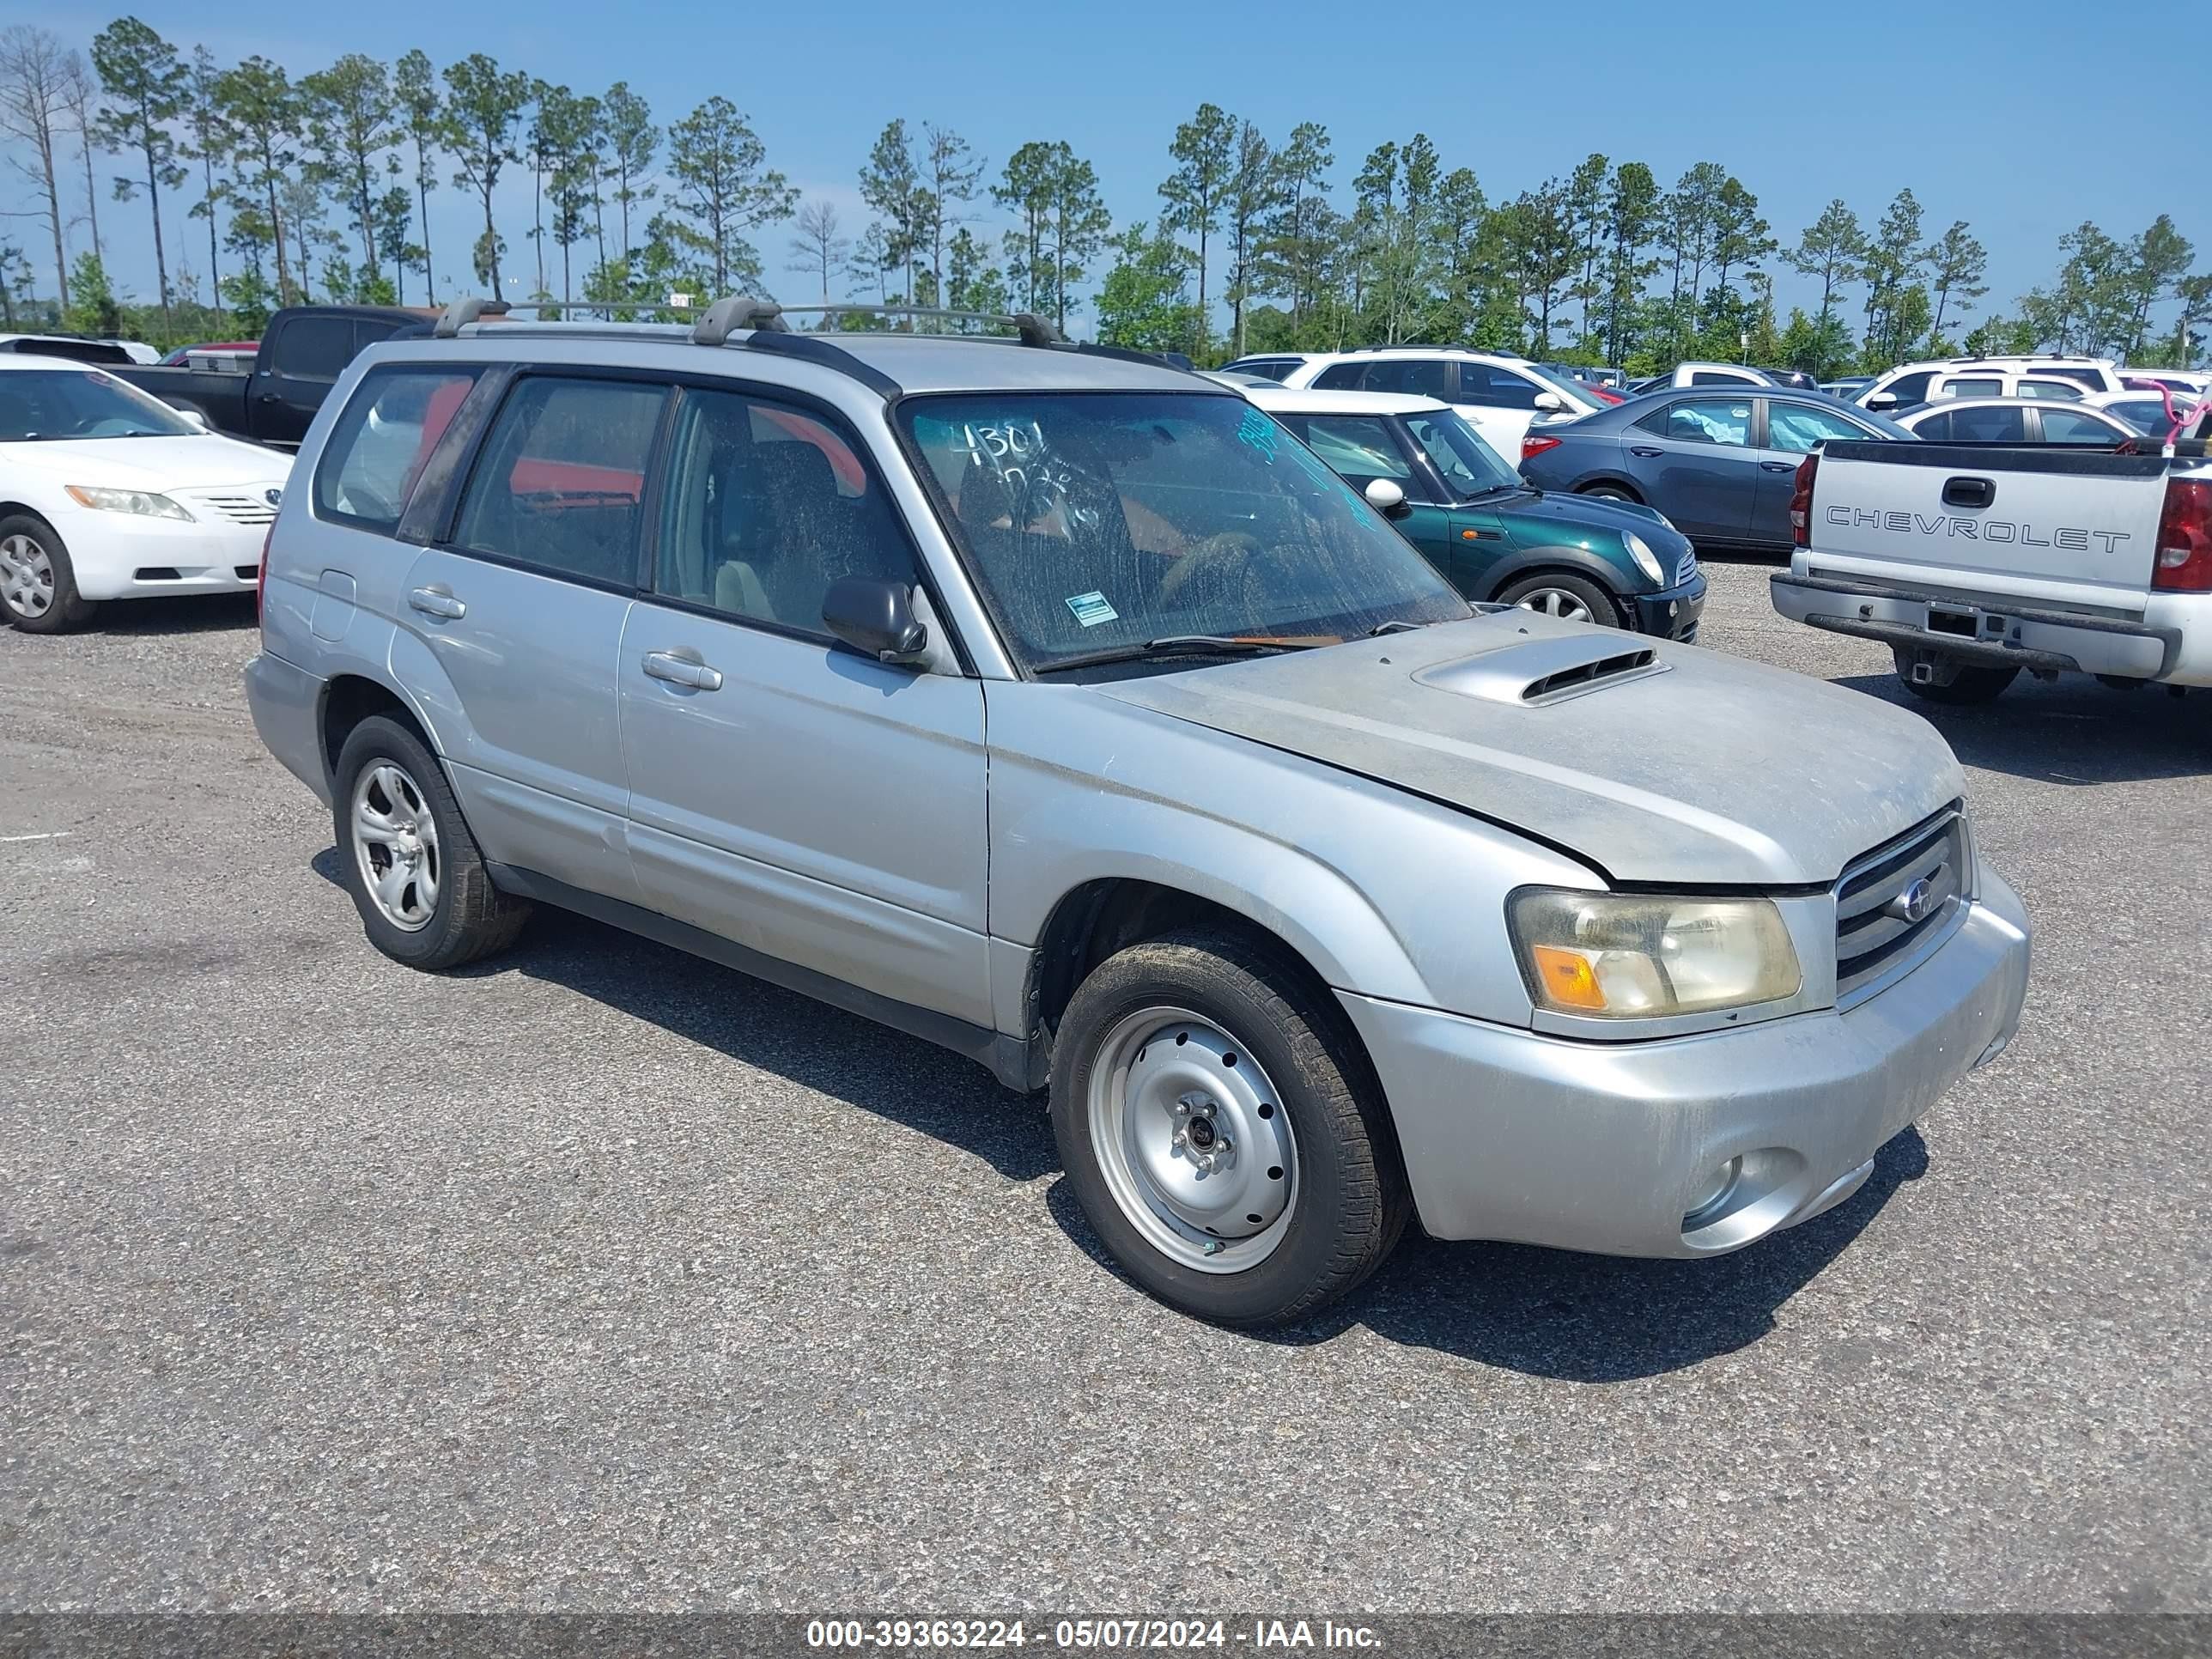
[110, 494]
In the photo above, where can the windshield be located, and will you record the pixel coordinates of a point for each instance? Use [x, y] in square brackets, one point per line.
[1469, 466]
[1097, 521]
[43, 403]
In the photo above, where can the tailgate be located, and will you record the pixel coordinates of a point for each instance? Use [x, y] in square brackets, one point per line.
[2068, 528]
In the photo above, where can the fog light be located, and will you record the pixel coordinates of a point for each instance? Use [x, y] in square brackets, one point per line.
[1714, 1194]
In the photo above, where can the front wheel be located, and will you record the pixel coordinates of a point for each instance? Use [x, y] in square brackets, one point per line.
[1572, 598]
[1222, 1133]
[408, 862]
[1937, 679]
[38, 583]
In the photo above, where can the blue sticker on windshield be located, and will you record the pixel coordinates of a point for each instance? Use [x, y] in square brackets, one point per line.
[1257, 430]
[1091, 609]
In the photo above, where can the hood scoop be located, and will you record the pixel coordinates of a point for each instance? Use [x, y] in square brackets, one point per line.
[1541, 672]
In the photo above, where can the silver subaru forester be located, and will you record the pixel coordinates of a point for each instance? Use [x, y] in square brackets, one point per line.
[1059, 707]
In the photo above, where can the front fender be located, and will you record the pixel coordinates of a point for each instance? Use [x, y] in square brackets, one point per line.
[1606, 574]
[1381, 893]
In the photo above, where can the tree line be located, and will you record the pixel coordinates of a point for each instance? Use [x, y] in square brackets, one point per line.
[321, 187]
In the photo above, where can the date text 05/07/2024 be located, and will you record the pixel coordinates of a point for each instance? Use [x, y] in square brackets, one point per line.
[1128, 1634]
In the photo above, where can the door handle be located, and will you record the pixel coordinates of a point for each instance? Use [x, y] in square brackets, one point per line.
[1969, 492]
[1778, 466]
[1646, 450]
[679, 669]
[436, 601]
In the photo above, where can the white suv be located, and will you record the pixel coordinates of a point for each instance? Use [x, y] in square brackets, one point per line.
[1502, 396]
[1915, 383]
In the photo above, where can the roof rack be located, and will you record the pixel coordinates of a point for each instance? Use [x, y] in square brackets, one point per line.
[762, 321]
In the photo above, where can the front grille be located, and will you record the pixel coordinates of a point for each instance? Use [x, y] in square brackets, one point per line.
[1686, 567]
[252, 509]
[1876, 938]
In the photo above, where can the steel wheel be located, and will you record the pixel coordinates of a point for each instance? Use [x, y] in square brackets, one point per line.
[27, 578]
[1555, 601]
[395, 837]
[1193, 1142]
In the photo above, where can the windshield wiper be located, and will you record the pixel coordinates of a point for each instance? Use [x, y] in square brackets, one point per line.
[1493, 490]
[1397, 625]
[1182, 645]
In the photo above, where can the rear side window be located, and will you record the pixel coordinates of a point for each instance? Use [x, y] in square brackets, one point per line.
[313, 348]
[1703, 421]
[1709, 377]
[1340, 377]
[2060, 391]
[559, 483]
[376, 451]
[2086, 378]
[2075, 426]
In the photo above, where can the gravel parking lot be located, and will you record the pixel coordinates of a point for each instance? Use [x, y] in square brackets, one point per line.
[603, 1278]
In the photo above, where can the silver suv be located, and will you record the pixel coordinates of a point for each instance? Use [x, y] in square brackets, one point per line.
[1059, 707]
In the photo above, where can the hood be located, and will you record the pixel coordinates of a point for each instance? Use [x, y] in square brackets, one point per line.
[159, 464]
[1535, 518]
[1658, 763]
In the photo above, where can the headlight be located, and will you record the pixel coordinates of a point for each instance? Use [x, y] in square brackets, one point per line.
[1646, 560]
[1628, 955]
[146, 505]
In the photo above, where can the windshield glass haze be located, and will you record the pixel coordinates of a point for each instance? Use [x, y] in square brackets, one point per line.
[1095, 521]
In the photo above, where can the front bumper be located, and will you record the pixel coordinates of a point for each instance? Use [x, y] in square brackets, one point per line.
[121, 556]
[1604, 1146]
[1672, 612]
[2172, 643]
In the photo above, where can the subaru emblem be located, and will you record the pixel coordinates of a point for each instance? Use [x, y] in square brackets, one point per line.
[1915, 902]
[273, 495]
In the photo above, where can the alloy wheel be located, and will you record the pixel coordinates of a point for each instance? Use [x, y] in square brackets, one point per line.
[395, 841]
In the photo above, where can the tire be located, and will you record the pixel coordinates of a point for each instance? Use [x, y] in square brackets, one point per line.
[38, 583]
[1305, 1142]
[1611, 493]
[447, 912]
[1956, 685]
[1557, 594]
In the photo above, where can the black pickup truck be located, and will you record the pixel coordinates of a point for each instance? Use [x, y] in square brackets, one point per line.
[303, 351]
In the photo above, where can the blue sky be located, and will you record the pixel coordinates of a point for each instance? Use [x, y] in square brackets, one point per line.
[1803, 102]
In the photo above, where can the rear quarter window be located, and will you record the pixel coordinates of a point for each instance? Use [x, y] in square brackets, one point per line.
[377, 450]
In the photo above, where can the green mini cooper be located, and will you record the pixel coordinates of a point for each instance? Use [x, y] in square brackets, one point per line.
[1493, 536]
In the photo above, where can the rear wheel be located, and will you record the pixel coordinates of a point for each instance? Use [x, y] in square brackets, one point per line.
[38, 584]
[1606, 492]
[1222, 1132]
[1934, 677]
[408, 862]
[1574, 598]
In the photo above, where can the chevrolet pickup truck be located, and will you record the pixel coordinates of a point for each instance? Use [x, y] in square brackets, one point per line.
[1973, 561]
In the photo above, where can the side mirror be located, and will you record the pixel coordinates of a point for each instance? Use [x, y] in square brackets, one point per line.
[875, 617]
[1882, 400]
[1550, 402]
[193, 413]
[1387, 498]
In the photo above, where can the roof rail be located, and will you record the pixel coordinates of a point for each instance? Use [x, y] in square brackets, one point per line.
[1033, 330]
